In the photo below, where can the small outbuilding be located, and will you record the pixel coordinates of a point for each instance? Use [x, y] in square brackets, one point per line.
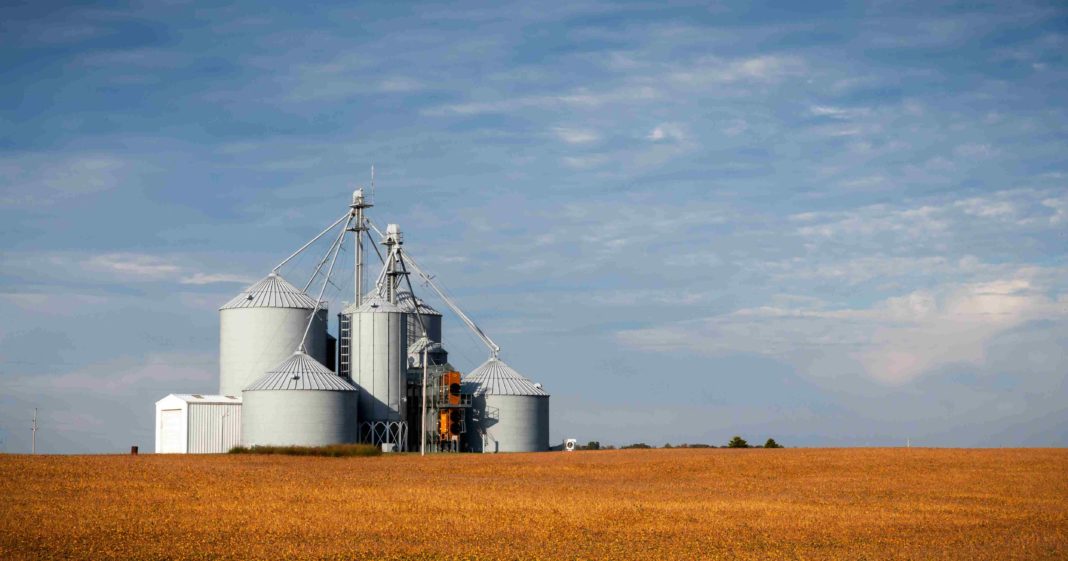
[197, 424]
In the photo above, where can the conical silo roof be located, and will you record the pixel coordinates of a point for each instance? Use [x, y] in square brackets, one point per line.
[301, 372]
[271, 292]
[405, 301]
[375, 304]
[495, 377]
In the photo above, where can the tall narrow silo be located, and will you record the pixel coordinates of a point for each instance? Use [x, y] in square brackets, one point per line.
[509, 412]
[431, 318]
[300, 402]
[261, 327]
[379, 352]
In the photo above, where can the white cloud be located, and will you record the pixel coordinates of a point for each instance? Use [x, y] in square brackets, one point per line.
[215, 278]
[577, 136]
[667, 132]
[893, 341]
[1060, 209]
[126, 374]
[930, 220]
[759, 69]
[132, 265]
[45, 179]
[837, 112]
[580, 98]
[585, 162]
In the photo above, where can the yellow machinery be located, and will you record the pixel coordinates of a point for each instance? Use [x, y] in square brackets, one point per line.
[451, 415]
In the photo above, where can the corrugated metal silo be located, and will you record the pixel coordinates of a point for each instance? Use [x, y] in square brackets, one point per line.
[379, 352]
[431, 318]
[509, 412]
[261, 327]
[300, 403]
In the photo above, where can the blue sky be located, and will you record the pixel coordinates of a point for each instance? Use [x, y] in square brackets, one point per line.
[828, 225]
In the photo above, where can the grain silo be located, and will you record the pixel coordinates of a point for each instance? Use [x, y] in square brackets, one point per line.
[259, 329]
[509, 412]
[379, 350]
[431, 317]
[300, 402]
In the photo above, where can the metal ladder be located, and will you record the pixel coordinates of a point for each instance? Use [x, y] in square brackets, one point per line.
[344, 329]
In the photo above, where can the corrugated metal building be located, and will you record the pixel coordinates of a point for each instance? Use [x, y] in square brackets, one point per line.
[509, 412]
[197, 424]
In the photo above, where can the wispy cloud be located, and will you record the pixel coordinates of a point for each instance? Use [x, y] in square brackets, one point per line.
[894, 341]
[145, 267]
[133, 265]
[667, 132]
[579, 98]
[216, 278]
[46, 179]
[758, 69]
[576, 136]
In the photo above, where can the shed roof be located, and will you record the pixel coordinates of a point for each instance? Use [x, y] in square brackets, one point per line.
[495, 377]
[301, 372]
[205, 398]
[272, 291]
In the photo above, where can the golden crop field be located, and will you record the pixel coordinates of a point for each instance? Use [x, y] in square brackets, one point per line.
[632, 504]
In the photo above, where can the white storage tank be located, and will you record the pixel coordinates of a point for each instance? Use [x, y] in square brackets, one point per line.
[431, 318]
[379, 352]
[300, 403]
[197, 424]
[509, 412]
[261, 327]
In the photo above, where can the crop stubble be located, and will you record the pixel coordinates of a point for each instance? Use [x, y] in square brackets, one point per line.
[628, 504]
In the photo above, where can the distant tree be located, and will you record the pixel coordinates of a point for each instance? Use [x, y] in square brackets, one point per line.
[593, 445]
[668, 445]
[772, 444]
[698, 446]
[639, 445]
[737, 442]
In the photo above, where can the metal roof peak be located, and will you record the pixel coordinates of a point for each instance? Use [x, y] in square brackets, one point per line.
[272, 291]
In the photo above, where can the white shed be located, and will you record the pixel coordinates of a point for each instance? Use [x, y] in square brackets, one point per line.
[197, 424]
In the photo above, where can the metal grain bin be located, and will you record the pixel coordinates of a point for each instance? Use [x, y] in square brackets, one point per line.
[261, 327]
[509, 413]
[379, 348]
[300, 403]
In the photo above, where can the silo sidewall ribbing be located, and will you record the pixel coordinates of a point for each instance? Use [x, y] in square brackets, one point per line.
[298, 418]
[379, 364]
[253, 340]
[522, 423]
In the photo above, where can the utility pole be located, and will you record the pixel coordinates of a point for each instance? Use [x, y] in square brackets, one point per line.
[33, 429]
[422, 427]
